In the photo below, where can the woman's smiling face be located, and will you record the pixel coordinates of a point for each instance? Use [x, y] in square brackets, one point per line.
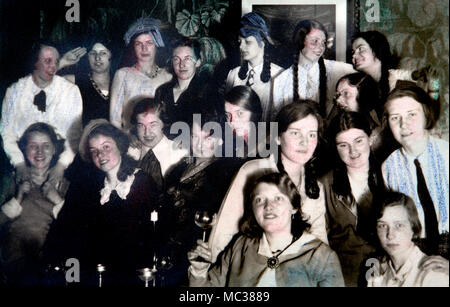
[315, 43]
[363, 58]
[104, 152]
[40, 150]
[299, 141]
[99, 58]
[272, 209]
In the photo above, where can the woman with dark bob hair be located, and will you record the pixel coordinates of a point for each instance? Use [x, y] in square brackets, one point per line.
[92, 74]
[106, 222]
[351, 189]
[419, 168]
[34, 202]
[274, 248]
[398, 229]
[299, 131]
[243, 113]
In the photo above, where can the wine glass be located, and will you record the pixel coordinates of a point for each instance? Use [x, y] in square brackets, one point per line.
[100, 270]
[164, 265]
[146, 274]
[205, 220]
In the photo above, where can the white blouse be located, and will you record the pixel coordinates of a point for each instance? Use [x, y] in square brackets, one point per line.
[63, 112]
[308, 82]
[130, 83]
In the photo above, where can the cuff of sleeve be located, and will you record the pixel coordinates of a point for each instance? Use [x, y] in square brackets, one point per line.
[57, 208]
[12, 214]
[202, 273]
[66, 158]
[17, 160]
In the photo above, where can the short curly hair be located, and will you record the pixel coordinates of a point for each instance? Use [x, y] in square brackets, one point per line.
[128, 164]
[248, 224]
[48, 130]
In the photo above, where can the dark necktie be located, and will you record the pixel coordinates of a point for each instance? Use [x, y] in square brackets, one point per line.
[151, 166]
[39, 101]
[250, 79]
[431, 222]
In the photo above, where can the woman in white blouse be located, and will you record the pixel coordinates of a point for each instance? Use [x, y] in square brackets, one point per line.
[144, 76]
[310, 76]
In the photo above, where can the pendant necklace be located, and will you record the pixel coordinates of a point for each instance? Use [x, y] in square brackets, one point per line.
[152, 74]
[273, 262]
[99, 91]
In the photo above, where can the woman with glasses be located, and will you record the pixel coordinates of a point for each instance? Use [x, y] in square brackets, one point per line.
[311, 76]
[186, 86]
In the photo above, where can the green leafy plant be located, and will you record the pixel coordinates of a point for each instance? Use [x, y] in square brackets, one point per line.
[196, 23]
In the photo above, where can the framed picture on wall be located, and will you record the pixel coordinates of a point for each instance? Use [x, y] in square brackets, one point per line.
[283, 15]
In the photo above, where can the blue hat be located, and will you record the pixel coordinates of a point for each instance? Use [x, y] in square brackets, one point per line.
[253, 24]
[145, 25]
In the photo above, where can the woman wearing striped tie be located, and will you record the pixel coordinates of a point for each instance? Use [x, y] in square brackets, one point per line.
[255, 70]
[419, 168]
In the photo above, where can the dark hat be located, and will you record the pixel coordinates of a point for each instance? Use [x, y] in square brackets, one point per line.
[253, 24]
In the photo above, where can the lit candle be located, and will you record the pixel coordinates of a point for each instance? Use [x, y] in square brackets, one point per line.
[154, 216]
[100, 268]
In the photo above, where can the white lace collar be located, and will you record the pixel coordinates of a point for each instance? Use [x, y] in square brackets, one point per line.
[122, 189]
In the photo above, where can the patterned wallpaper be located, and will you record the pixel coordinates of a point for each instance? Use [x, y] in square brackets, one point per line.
[418, 32]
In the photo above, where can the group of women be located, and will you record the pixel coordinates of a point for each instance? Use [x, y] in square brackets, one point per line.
[309, 214]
